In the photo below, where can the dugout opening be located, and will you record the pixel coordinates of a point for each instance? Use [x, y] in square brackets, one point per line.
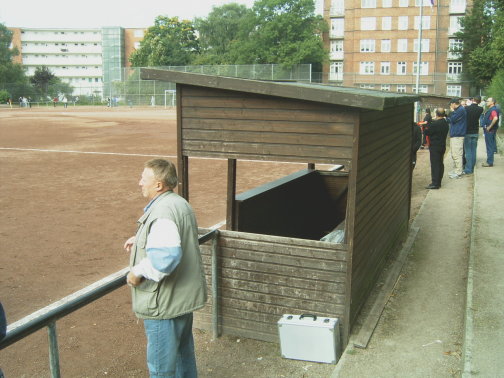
[308, 204]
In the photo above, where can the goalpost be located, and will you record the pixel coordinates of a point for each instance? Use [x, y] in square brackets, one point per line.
[171, 93]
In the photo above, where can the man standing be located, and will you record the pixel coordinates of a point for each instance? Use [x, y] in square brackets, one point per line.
[437, 132]
[458, 125]
[471, 138]
[166, 273]
[490, 126]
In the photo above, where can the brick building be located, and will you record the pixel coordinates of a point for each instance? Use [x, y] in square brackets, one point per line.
[374, 44]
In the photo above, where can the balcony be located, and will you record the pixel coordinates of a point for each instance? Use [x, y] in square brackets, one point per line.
[453, 77]
[454, 55]
[336, 12]
[335, 76]
[336, 55]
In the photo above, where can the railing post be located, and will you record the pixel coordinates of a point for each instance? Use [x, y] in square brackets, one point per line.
[53, 350]
[215, 287]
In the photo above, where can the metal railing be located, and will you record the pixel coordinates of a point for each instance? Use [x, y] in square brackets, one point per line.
[47, 316]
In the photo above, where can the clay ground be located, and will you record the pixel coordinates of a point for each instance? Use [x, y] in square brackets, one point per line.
[69, 198]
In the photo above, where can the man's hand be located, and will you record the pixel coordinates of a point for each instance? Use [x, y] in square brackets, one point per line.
[129, 243]
[133, 280]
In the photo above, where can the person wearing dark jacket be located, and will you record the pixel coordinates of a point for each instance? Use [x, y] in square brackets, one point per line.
[437, 132]
[416, 142]
[472, 132]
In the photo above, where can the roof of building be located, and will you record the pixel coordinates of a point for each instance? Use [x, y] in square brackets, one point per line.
[345, 96]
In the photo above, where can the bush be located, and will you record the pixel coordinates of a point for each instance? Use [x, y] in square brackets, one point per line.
[4, 96]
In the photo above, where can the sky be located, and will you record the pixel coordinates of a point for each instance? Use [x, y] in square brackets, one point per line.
[98, 13]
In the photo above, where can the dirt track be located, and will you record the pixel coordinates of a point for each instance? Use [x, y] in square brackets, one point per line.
[65, 215]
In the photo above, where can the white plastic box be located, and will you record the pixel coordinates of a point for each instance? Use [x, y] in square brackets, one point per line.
[309, 338]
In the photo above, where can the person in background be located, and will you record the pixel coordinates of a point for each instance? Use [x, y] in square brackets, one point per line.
[472, 133]
[416, 142]
[166, 273]
[426, 122]
[437, 132]
[458, 125]
[490, 126]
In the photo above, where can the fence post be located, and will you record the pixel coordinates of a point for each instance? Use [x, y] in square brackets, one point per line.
[215, 287]
[53, 350]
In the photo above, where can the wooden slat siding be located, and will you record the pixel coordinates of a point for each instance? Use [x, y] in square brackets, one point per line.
[241, 125]
[259, 137]
[382, 199]
[374, 208]
[263, 277]
[340, 128]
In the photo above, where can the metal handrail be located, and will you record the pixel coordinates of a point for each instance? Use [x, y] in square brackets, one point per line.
[49, 315]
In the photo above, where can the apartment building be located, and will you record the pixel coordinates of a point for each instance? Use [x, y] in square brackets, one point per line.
[375, 44]
[87, 59]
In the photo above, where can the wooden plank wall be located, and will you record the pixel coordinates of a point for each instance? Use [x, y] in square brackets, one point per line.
[238, 125]
[382, 197]
[262, 277]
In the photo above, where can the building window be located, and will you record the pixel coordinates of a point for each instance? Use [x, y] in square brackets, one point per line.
[402, 68]
[403, 3]
[425, 45]
[336, 71]
[367, 68]
[401, 88]
[387, 3]
[385, 45]
[138, 33]
[385, 87]
[455, 24]
[368, 3]
[425, 22]
[455, 48]
[424, 68]
[368, 23]
[425, 3]
[385, 68]
[454, 71]
[402, 45]
[367, 45]
[136, 45]
[386, 23]
[454, 90]
[402, 23]
[366, 86]
[337, 49]
[337, 27]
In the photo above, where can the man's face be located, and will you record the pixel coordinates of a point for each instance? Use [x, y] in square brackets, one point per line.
[150, 186]
[489, 101]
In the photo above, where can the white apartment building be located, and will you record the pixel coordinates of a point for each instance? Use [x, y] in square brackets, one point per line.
[87, 59]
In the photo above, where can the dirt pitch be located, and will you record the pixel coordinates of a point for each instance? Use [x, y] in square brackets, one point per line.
[69, 198]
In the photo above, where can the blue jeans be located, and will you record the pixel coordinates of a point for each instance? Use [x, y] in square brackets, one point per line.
[170, 347]
[491, 147]
[470, 145]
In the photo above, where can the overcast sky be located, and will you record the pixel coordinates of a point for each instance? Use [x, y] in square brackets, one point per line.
[98, 13]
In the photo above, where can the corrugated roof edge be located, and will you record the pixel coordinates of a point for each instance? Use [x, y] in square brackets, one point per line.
[345, 96]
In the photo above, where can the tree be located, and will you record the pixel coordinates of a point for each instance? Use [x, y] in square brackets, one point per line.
[284, 32]
[483, 41]
[47, 84]
[170, 42]
[11, 74]
[218, 31]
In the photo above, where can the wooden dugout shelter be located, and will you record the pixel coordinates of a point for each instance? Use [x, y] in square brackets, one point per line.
[271, 259]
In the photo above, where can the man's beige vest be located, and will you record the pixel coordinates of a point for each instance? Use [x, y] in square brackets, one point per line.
[184, 290]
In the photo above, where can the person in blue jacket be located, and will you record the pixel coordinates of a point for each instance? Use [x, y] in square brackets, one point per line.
[458, 126]
[490, 126]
